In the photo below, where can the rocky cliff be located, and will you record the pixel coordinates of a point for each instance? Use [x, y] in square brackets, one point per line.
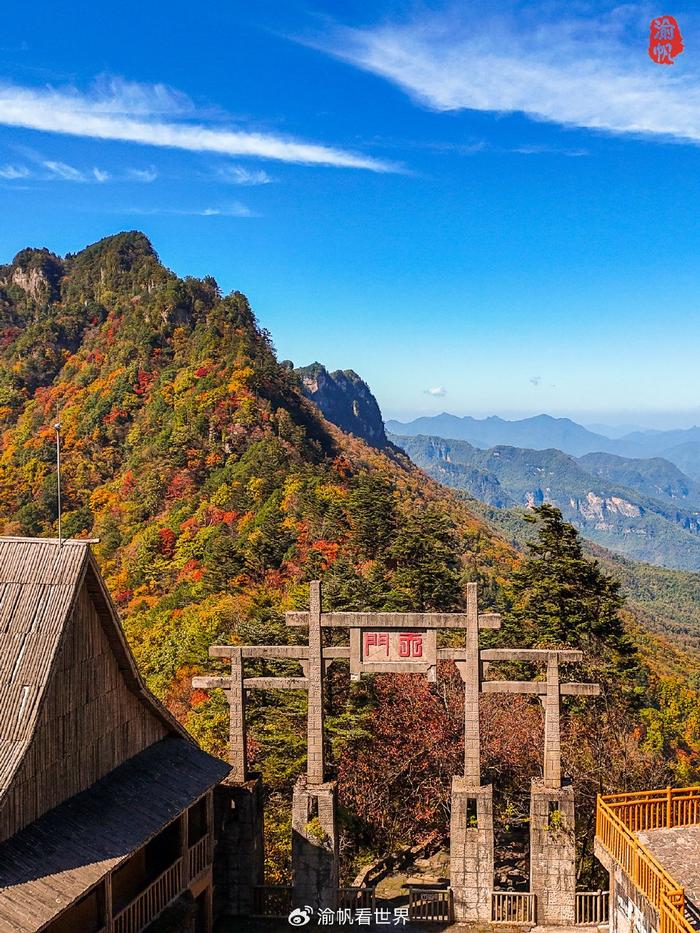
[346, 401]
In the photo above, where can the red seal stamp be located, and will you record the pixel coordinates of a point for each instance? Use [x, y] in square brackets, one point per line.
[665, 40]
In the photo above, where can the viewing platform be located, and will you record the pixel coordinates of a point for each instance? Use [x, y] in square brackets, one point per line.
[650, 844]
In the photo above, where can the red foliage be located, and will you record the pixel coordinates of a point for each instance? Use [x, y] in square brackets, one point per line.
[400, 781]
[128, 484]
[116, 415]
[182, 484]
[143, 381]
[167, 542]
[328, 549]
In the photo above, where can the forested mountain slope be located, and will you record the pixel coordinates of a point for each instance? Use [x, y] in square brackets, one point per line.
[218, 491]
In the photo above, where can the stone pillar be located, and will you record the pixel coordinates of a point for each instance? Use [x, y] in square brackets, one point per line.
[239, 862]
[315, 767]
[471, 675]
[314, 844]
[553, 853]
[552, 739]
[471, 851]
[237, 723]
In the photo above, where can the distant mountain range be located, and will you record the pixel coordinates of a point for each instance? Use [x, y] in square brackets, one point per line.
[646, 509]
[542, 432]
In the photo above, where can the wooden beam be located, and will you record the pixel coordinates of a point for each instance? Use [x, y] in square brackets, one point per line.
[536, 655]
[400, 620]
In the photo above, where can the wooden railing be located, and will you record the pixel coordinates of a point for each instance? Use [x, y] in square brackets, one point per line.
[356, 898]
[150, 902]
[620, 816]
[272, 900]
[199, 856]
[512, 907]
[592, 907]
[656, 809]
[430, 905]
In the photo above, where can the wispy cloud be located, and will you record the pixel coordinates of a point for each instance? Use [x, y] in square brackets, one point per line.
[158, 116]
[146, 175]
[229, 210]
[13, 172]
[63, 171]
[238, 175]
[436, 391]
[590, 72]
[52, 170]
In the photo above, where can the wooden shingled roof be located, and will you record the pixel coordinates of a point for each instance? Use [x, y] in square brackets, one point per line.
[53, 858]
[39, 583]
[54, 861]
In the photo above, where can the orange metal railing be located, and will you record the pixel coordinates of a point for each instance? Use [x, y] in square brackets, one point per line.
[620, 816]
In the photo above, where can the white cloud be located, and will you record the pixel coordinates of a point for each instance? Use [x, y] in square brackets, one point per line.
[146, 175]
[437, 391]
[63, 171]
[590, 72]
[230, 210]
[157, 116]
[12, 172]
[237, 175]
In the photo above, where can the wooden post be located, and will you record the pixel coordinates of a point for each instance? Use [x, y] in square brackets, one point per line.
[315, 758]
[669, 808]
[108, 906]
[185, 847]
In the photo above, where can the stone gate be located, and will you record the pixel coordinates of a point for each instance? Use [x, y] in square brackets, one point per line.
[397, 642]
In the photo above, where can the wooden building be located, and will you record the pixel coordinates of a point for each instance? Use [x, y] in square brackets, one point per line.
[106, 804]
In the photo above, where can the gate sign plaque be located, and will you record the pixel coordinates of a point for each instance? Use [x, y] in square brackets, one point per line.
[387, 651]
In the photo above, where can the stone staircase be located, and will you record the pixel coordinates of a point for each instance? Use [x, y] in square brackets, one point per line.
[692, 914]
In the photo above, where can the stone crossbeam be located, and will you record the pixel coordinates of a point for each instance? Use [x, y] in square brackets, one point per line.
[536, 655]
[550, 691]
[278, 652]
[395, 620]
[539, 688]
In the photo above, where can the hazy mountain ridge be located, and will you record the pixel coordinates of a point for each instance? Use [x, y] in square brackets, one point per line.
[681, 447]
[645, 509]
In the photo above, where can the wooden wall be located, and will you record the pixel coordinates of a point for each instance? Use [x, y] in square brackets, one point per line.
[90, 723]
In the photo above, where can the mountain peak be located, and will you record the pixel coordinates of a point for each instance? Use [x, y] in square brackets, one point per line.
[345, 400]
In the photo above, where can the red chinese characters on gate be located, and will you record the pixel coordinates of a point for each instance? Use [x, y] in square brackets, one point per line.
[375, 644]
[665, 40]
[410, 644]
[392, 646]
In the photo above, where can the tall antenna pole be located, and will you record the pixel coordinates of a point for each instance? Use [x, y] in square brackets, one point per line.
[57, 428]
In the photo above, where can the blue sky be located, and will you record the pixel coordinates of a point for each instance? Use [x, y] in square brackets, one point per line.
[482, 208]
